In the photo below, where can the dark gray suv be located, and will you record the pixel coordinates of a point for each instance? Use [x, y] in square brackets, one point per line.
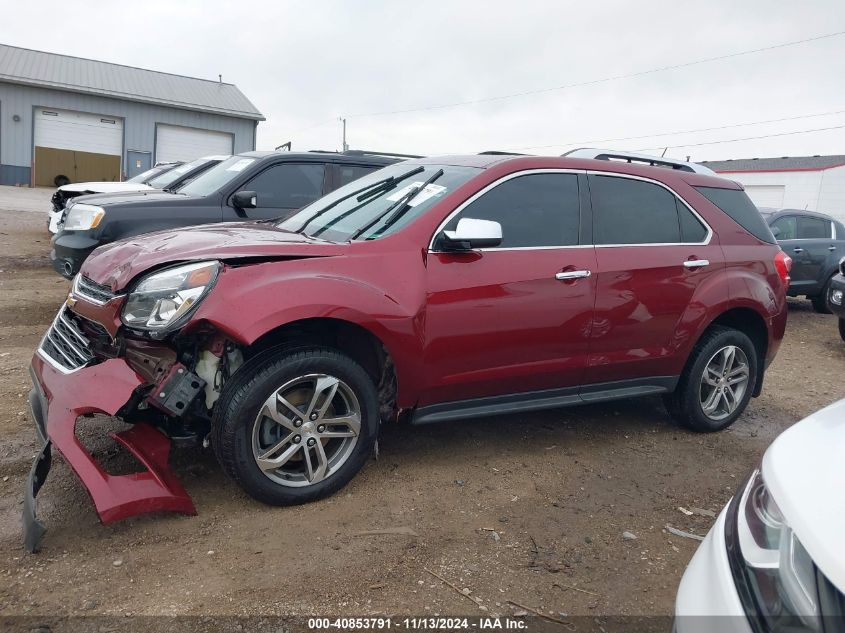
[816, 243]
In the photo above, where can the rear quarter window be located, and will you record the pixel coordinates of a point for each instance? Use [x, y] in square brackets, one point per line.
[739, 207]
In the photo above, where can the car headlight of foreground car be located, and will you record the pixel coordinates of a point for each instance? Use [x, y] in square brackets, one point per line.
[83, 217]
[777, 581]
[164, 299]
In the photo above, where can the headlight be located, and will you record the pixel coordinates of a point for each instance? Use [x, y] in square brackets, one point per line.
[82, 217]
[771, 568]
[163, 299]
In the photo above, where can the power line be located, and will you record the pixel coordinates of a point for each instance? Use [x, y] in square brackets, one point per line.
[746, 138]
[702, 129]
[601, 80]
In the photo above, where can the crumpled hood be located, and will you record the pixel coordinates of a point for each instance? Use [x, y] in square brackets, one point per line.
[117, 264]
[104, 187]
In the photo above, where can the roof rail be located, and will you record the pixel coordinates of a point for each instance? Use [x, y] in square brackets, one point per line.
[362, 152]
[633, 157]
[496, 152]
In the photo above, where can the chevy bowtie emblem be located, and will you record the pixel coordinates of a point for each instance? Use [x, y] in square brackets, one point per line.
[71, 301]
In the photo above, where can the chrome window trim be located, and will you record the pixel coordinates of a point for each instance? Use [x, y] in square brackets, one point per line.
[797, 217]
[705, 242]
[493, 185]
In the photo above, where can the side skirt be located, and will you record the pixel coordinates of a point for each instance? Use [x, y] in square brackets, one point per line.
[541, 400]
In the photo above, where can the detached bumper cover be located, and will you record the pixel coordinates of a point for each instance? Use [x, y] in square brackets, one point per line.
[58, 399]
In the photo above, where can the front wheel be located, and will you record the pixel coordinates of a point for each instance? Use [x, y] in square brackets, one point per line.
[717, 382]
[296, 426]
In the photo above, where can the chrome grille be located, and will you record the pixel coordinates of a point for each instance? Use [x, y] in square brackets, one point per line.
[89, 289]
[64, 344]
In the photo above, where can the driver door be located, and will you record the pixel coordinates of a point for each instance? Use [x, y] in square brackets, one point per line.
[514, 318]
[280, 190]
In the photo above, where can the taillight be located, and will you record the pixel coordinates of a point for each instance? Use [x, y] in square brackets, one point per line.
[783, 264]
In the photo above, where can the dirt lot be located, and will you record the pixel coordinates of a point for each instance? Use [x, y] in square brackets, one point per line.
[529, 508]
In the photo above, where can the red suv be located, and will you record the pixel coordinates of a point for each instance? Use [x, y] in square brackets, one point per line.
[433, 289]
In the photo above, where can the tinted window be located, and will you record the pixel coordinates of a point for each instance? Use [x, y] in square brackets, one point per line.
[348, 173]
[692, 230]
[534, 210]
[787, 227]
[813, 228]
[287, 186]
[739, 207]
[627, 211]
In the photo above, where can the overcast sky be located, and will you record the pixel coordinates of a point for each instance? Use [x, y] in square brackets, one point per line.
[305, 63]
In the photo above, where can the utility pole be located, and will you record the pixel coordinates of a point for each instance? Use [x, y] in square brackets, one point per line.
[344, 146]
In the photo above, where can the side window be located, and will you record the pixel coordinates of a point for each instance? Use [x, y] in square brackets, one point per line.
[810, 228]
[348, 173]
[534, 210]
[627, 211]
[692, 230]
[788, 227]
[287, 185]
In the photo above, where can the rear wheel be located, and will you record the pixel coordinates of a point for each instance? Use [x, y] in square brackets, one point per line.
[820, 301]
[297, 426]
[717, 383]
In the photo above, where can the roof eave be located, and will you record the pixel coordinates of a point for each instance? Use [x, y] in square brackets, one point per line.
[253, 116]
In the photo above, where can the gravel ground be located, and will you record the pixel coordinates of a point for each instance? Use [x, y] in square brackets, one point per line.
[526, 508]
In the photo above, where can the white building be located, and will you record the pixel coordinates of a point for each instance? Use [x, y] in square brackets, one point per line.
[816, 183]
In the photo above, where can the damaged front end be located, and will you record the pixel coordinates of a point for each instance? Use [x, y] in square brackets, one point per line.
[128, 355]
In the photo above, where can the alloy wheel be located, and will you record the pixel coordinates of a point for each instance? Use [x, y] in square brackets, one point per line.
[724, 382]
[306, 430]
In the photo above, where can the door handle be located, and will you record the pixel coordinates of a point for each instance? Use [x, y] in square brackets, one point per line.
[573, 274]
[696, 263]
[831, 248]
[798, 250]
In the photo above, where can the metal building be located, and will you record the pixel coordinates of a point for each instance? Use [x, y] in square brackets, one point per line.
[90, 120]
[816, 182]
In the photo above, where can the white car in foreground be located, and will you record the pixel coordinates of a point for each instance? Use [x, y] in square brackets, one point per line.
[775, 559]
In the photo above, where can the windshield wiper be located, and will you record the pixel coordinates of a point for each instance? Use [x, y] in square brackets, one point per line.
[397, 209]
[371, 189]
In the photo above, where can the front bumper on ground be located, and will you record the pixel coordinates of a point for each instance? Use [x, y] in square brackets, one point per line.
[69, 249]
[58, 398]
[707, 598]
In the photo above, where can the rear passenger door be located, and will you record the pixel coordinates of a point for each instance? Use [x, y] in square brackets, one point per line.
[652, 253]
[280, 190]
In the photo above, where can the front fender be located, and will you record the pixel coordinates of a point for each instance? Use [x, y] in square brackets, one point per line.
[250, 301]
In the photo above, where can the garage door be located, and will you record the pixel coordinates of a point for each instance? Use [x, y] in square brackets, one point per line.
[766, 195]
[76, 145]
[186, 143]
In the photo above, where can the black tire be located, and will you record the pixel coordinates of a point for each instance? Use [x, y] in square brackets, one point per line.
[61, 181]
[820, 301]
[684, 404]
[245, 394]
[842, 329]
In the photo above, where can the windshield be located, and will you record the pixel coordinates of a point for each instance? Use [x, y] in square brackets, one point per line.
[163, 181]
[144, 176]
[218, 176]
[378, 204]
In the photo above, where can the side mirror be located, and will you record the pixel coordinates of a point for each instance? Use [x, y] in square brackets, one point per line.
[245, 200]
[471, 233]
[775, 230]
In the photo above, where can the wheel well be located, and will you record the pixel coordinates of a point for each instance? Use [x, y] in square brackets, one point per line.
[358, 343]
[753, 326]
